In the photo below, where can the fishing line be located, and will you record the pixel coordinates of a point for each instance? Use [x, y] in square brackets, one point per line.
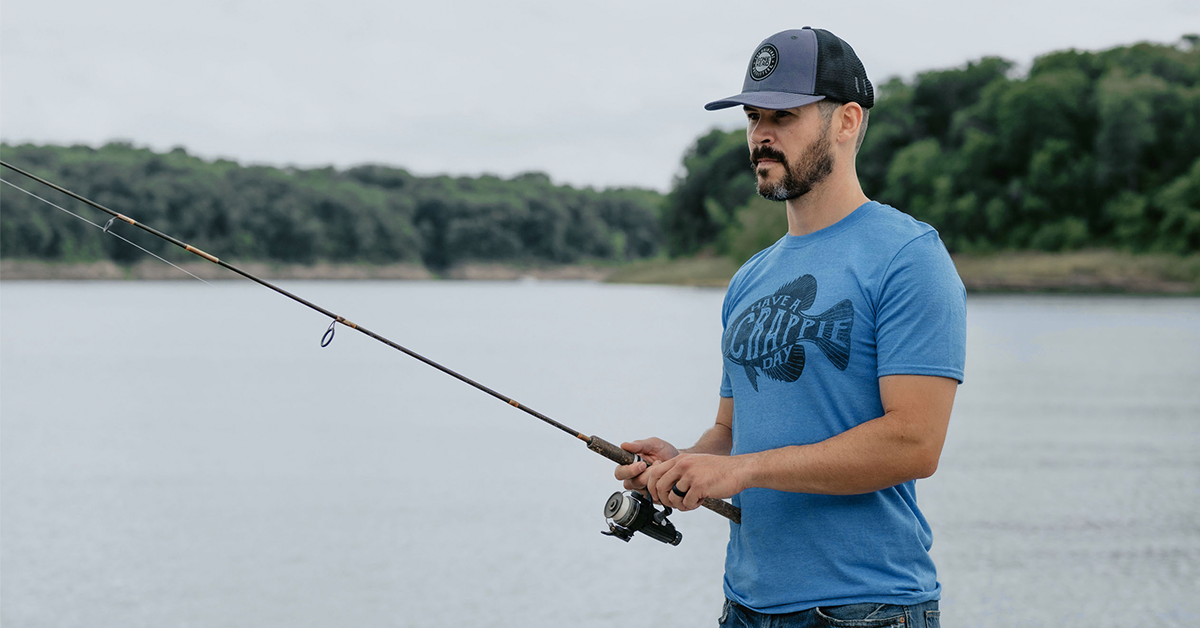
[624, 512]
[106, 228]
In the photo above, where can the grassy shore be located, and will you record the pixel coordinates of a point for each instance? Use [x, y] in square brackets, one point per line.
[1084, 271]
[1099, 271]
[706, 271]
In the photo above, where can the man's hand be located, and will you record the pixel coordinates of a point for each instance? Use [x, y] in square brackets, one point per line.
[717, 440]
[652, 450]
[697, 476]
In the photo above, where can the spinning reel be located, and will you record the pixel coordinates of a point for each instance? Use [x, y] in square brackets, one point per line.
[631, 512]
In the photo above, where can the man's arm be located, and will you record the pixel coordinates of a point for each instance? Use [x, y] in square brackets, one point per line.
[904, 444]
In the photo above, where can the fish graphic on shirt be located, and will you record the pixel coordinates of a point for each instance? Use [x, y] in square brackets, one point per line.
[768, 335]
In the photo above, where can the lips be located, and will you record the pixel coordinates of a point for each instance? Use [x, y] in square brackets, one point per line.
[765, 157]
[762, 165]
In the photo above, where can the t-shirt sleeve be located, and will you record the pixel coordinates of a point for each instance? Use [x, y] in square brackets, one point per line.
[726, 386]
[921, 325]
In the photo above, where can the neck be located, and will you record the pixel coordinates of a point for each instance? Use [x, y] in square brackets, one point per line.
[833, 200]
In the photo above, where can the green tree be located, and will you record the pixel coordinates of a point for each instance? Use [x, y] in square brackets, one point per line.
[371, 213]
[717, 180]
[1087, 149]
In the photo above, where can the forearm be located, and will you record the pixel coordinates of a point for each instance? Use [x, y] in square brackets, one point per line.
[718, 439]
[904, 444]
[872, 456]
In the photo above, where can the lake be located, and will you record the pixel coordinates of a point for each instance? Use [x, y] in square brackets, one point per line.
[181, 454]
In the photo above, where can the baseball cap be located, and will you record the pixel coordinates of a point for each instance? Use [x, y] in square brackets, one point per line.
[798, 67]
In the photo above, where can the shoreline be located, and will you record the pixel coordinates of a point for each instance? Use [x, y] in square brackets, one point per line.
[154, 270]
[1083, 272]
[1079, 272]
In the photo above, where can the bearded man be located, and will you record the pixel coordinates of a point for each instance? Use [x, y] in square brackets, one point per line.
[843, 346]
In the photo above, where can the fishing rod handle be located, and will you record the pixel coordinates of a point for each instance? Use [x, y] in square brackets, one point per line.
[610, 451]
[620, 456]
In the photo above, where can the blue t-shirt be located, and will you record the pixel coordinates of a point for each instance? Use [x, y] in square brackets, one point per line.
[811, 324]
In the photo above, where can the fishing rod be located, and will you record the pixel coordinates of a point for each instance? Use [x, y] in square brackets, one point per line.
[625, 513]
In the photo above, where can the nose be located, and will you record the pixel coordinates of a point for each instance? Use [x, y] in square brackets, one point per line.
[760, 134]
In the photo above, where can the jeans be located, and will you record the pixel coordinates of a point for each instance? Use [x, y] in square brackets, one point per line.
[869, 615]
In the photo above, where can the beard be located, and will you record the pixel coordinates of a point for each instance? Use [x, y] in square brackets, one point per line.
[814, 166]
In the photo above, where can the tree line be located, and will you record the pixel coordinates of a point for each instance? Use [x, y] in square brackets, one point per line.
[1087, 149]
[369, 214]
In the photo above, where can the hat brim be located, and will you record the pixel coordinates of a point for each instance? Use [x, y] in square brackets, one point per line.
[764, 100]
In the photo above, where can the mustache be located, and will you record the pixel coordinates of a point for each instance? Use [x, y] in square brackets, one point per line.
[766, 152]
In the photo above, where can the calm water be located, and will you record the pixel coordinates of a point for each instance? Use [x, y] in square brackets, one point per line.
[175, 454]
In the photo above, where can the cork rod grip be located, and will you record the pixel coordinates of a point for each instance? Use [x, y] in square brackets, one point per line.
[620, 456]
[609, 450]
[723, 508]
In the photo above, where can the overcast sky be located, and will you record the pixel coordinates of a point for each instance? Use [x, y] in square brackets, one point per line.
[593, 93]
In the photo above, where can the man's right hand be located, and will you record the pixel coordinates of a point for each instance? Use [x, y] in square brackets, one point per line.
[652, 450]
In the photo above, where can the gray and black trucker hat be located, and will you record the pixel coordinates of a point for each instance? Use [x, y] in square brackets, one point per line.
[798, 67]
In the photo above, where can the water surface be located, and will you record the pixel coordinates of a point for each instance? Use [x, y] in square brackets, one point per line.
[176, 454]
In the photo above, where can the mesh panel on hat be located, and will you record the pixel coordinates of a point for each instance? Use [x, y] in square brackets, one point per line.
[840, 75]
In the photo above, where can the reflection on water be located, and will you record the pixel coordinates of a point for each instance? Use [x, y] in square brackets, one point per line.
[181, 454]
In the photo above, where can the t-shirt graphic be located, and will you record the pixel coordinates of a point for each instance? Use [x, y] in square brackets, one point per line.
[767, 335]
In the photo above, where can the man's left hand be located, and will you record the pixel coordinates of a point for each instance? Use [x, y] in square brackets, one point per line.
[698, 476]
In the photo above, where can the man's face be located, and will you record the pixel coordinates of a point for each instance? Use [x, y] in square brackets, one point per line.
[790, 150]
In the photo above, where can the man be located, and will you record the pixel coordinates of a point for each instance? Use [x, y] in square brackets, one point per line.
[843, 347]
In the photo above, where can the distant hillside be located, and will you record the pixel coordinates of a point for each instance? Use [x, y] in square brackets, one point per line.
[371, 214]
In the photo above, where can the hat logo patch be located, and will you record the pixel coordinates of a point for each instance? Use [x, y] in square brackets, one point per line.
[764, 61]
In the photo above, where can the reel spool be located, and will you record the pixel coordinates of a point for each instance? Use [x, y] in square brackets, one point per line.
[631, 512]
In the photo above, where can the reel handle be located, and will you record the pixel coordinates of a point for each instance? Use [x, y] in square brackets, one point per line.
[620, 456]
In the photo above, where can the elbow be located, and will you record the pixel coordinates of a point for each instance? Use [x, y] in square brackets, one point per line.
[925, 462]
[926, 468]
[918, 452]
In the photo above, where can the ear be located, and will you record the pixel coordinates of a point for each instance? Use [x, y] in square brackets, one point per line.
[847, 120]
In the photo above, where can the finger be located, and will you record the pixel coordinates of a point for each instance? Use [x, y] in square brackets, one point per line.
[682, 494]
[624, 472]
[667, 481]
[651, 479]
[637, 446]
[692, 500]
[655, 449]
[627, 471]
[650, 488]
[670, 497]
